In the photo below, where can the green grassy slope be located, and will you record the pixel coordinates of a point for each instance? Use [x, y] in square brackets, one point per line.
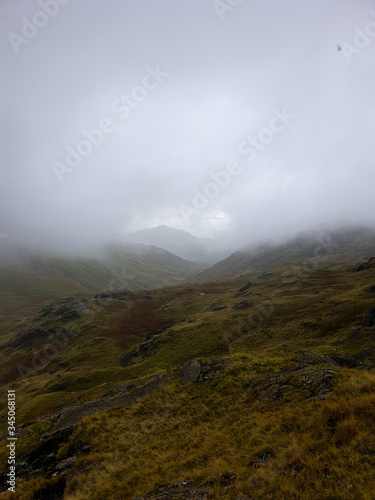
[278, 404]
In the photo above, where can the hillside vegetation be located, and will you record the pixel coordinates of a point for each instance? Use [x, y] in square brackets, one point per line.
[257, 387]
[29, 281]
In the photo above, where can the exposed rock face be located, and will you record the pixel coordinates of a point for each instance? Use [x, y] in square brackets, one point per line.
[366, 265]
[314, 385]
[190, 371]
[243, 289]
[126, 394]
[194, 371]
[217, 306]
[370, 318]
[242, 305]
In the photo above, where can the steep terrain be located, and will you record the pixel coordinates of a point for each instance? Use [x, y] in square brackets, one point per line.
[257, 387]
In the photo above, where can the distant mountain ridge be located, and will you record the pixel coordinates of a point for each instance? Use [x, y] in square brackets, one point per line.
[179, 242]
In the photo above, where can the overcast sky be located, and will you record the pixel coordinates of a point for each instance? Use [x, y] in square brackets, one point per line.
[180, 88]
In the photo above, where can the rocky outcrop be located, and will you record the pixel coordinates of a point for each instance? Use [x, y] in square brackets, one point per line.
[144, 349]
[307, 358]
[190, 371]
[313, 385]
[243, 289]
[217, 306]
[242, 305]
[366, 265]
[125, 394]
[195, 371]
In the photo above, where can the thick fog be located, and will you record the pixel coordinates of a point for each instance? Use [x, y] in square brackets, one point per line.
[242, 120]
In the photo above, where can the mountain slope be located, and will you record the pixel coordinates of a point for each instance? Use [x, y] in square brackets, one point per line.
[28, 281]
[241, 388]
[339, 245]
